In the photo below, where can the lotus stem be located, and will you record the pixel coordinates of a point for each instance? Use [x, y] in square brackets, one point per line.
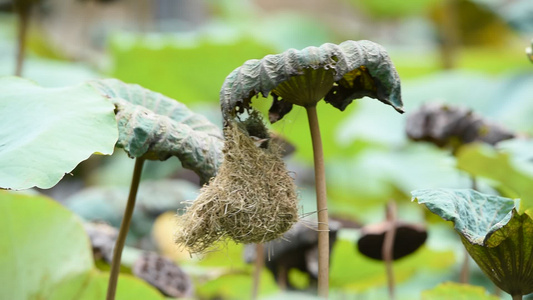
[23, 9]
[283, 277]
[465, 267]
[321, 203]
[259, 263]
[449, 34]
[387, 249]
[124, 227]
[497, 291]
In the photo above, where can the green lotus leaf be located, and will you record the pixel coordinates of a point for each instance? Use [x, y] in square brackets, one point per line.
[498, 238]
[93, 286]
[46, 254]
[153, 126]
[47, 132]
[476, 216]
[457, 291]
[42, 245]
[337, 73]
[509, 175]
[507, 257]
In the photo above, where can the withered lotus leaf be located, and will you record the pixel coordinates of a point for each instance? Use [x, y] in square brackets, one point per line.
[337, 73]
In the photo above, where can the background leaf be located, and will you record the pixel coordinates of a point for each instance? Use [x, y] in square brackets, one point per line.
[93, 286]
[42, 245]
[457, 291]
[513, 179]
[45, 254]
[475, 215]
[46, 132]
[199, 64]
[350, 270]
[154, 126]
[394, 8]
[155, 197]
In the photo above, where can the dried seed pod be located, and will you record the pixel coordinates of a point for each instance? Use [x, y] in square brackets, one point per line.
[163, 274]
[408, 238]
[251, 200]
[103, 238]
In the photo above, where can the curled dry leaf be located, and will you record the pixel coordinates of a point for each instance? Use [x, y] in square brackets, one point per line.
[163, 274]
[453, 126]
[337, 73]
[153, 126]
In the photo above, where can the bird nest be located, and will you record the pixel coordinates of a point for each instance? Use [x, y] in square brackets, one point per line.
[252, 199]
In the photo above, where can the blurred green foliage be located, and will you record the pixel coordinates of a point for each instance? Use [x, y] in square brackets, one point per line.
[457, 291]
[193, 71]
[352, 271]
[46, 254]
[509, 178]
[368, 158]
[394, 8]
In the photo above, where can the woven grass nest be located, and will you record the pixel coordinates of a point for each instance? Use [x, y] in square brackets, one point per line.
[251, 200]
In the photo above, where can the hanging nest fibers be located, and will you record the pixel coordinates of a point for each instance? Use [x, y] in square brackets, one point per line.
[251, 200]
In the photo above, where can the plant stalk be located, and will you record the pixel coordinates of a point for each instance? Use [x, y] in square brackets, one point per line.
[449, 34]
[23, 9]
[282, 278]
[321, 203]
[517, 297]
[387, 249]
[497, 291]
[465, 267]
[124, 227]
[259, 263]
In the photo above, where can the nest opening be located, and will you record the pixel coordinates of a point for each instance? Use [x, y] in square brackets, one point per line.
[251, 200]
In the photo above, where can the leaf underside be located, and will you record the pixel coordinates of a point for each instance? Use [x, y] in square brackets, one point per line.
[507, 258]
[358, 69]
[153, 126]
